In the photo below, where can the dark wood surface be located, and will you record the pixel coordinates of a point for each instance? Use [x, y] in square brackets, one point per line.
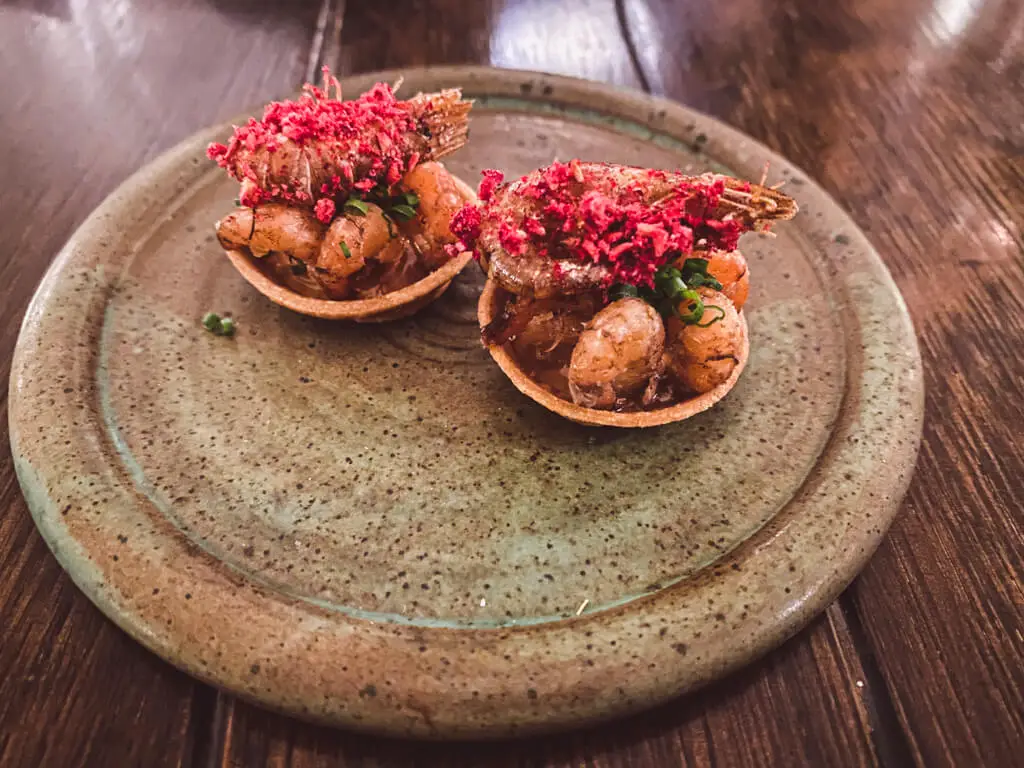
[910, 112]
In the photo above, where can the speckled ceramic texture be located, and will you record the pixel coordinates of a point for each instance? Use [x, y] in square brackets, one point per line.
[370, 526]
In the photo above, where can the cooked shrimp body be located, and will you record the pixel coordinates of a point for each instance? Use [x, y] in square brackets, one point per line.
[547, 333]
[541, 277]
[617, 354]
[731, 270]
[295, 232]
[535, 247]
[439, 199]
[319, 147]
[702, 356]
[544, 275]
[352, 239]
[520, 312]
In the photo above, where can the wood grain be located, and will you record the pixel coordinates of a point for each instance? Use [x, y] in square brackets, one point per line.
[912, 115]
[90, 94]
[580, 38]
[802, 707]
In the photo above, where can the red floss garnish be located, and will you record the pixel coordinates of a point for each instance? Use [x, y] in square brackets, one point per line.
[465, 225]
[611, 225]
[512, 239]
[491, 181]
[250, 195]
[324, 210]
[317, 143]
[533, 227]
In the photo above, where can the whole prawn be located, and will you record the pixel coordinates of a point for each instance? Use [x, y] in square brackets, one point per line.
[316, 150]
[531, 234]
[559, 238]
[345, 197]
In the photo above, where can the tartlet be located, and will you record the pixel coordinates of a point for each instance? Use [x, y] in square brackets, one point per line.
[343, 210]
[614, 293]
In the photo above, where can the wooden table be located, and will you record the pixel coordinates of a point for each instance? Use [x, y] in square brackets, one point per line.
[910, 112]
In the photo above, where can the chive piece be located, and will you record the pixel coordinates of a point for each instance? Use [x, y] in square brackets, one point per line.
[623, 291]
[696, 265]
[712, 321]
[391, 227]
[676, 287]
[211, 321]
[411, 199]
[227, 327]
[698, 280]
[344, 249]
[238, 202]
[404, 212]
[356, 207]
[694, 307]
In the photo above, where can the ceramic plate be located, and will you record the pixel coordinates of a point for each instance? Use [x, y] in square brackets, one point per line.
[370, 526]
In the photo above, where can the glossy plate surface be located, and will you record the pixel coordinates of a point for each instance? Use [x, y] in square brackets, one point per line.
[370, 526]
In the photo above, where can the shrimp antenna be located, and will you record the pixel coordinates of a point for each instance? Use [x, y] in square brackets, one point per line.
[329, 81]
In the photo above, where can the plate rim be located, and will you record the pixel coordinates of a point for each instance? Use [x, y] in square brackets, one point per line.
[560, 698]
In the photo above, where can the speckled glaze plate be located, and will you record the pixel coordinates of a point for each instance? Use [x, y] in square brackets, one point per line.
[370, 526]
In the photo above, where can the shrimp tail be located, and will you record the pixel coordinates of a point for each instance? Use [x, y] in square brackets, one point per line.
[755, 204]
[446, 117]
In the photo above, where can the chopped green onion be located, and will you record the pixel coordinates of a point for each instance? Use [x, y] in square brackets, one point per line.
[696, 265]
[695, 307]
[696, 281]
[356, 206]
[217, 325]
[391, 227]
[695, 274]
[411, 199]
[404, 212]
[344, 249]
[712, 321]
[623, 291]
[238, 202]
[649, 295]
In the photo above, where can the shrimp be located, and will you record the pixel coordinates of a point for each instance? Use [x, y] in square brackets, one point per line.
[384, 260]
[543, 319]
[617, 354]
[299, 277]
[295, 232]
[548, 333]
[700, 357]
[319, 148]
[352, 239]
[575, 227]
[544, 278]
[731, 270]
[439, 199]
